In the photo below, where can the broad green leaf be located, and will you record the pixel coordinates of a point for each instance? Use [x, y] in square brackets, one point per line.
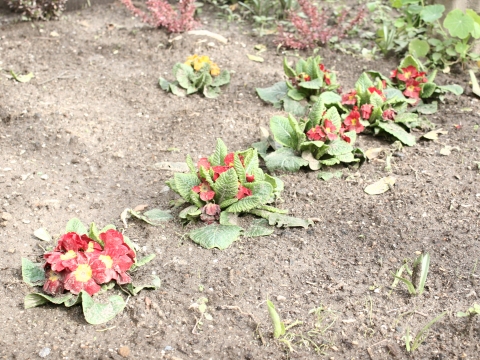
[133, 290]
[37, 299]
[284, 159]
[455, 89]
[283, 131]
[259, 227]
[294, 107]
[222, 79]
[261, 189]
[431, 13]
[330, 97]
[392, 93]
[153, 217]
[182, 75]
[406, 118]
[289, 72]
[334, 117]
[195, 199]
[278, 325]
[339, 147]
[32, 274]
[272, 209]
[42, 234]
[330, 162]
[419, 48]
[347, 158]
[273, 94]
[426, 109]
[211, 92]
[227, 203]
[376, 100]
[239, 169]
[219, 236]
[327, 175]
[192, 211]
[164, 84]
[245, 204]
[316, 113]
[363, 83]
[458, 24]
[251, 161]
[277, 184]
[226, 186]
[312, 84]
[296, 94]
[229, 219]
[282, 220]
[142, 261]
[184, 183]
[410, 60]
[97, 313]
[398, 132]
[131, 245]
[94, 234]
[218, 157]
[427, 90]
[75, 225]
[301, 66]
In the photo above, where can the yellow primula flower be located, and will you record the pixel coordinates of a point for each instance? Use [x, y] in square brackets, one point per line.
[214, 69]
[198, 62]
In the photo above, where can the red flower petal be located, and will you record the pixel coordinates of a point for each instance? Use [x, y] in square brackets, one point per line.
[243, 192]
[203, 162]
[54, 282]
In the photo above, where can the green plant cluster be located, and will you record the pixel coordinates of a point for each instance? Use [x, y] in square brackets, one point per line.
[38, 9]
[419, 31]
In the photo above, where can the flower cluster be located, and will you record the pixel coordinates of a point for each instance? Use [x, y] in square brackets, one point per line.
[198, 62]
[211, 211]
[79, 263]
[328, 131]
[409, 79]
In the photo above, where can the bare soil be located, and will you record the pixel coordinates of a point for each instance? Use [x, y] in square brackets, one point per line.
[81, 138]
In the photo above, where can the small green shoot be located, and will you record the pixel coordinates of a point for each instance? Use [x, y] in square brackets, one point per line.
[418, 275]
[278, 325]
[410, 345]
[471, 312]
[200, 306]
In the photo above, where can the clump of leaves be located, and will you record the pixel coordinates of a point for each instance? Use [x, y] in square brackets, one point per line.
[223, 186]
[316, 27]
[418, 30]
[415, 84]
[197, 74]
[162, 15]
[38, 9]
[322, 139]
[84, 263]
[418, 275]
[308, 81]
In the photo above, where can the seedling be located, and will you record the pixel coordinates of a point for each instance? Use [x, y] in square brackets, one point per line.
[418, 275]
[410, 345]
[279, 328]
[200, 306]
[471, 312]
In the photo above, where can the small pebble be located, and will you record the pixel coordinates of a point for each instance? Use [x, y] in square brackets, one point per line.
[281, 298]
[44, 177]
[124, 351]
[44, 352]
[6, 216]
[168, 348]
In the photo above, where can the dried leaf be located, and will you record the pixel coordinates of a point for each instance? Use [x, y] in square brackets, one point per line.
[209, 34]
[313, 163]
[140, 207]
[447, 150]
[381, 186]
[255, 58]
[42, 234]
[373, 153]
[433, 135]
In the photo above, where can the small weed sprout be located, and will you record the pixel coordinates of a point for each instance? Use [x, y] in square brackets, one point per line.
[471, 312]
[200, 306]
[413, 344]
[418, 275]
[39, 9]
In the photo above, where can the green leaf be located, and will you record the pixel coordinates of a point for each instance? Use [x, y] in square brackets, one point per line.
[277, 184]
[37, 299]
[211, 92]
[183, 74]
[294, 107]
[455, 89]
[330, 97]
[218, 157]
[219, 236]
[190, 211]
[283, 132]
[184, 183]
[458, 24]
[273, 94]
[339, 147]
[226, 203]
[133, 290]
[427, 90]
[363, 83]
[261, 189]
[222, 79]
[410, 287]
[392, 93]
[97, 313]
[226, 186]
[239, 169]
[284, 159]
[251, 161]
[296, 94]
[330, 162]
[130, 244]
[431, 13]
[289, 72]
[316, 113]
[312, 84]
[32, 273]
[278, 325]
[259, 228]
[75, 225]
[425, 264]
[347, 158]
[245, 204]
[153, 217]
[282, 220]
[22, 78]
[398, 132]
[94, 234]
[327, 175]
[164, 84]
[229, 219]
[426, 109]
[143, 261]
[334, 117]
[410, 60]
[419, 48]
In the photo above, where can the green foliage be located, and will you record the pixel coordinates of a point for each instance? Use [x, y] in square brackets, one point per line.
[38, 9]
[471, 312]
[215, 236]
[418, 31]
[413, 344]
[198, 74]
[418, 275]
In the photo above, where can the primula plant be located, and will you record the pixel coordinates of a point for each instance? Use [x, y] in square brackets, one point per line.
[197, 74]
[226, 185]
[83, 264]
[38, 9]
[308, 81]
[323, 139]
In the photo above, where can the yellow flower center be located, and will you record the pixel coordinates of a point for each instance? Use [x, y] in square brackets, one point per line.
[90, 247]
[53, 277]
[107, 260]
[70, 254]
[354, 121]
[83, 273]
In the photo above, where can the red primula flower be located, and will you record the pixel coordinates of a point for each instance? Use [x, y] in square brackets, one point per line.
[93, 247]
[316, 134]
[243, 192]
[349, 98]
[366, 111]
[81, 278]
[210, 213]
[54, 282]
[329, 129]
[322, 68]
[113, 239]
[412, 89]
[389, 114]
[352, 121]
[393, 74]
[112, 264]
[72, 241]
[410, 72]
[229, 158]
[203, 162]
[344, 137]
[206, 193]
[217, 170]
[373, 89]
[250, 178]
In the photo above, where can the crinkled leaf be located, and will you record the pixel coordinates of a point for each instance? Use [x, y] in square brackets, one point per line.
[219, 236]
[294, 107]
[339, 147]
[98, 313]
[177, 90]
[75, 225]
[347, 158]
[192, 211]
[277, 184]
[33, 274]
[327, 175]
[313, 163]
[184, 183]
[398, 132]
[262, 189]
[363, 83]
[426, 109]
[273, 94]
[42, 234]
[284, 159]
[289, 72]
[227, 203]
[133, 290]
[313, 84]
[455, 89]
[239, 169]
[226, 186]
[182, 75]
[164, 84]
[259, 227]
[330, 162]
[427, 90]
[195, 199]
[392, 93]
[211, 92]
[296, 94]
[222, 79]
[316, 113]
[37, 299]
[229, 219]
[153, 217]
[282, 220]
[245, 204]
[330, 97]
[283, 131]
[218, 157]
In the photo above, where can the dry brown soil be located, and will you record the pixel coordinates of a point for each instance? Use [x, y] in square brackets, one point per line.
[94, 121]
